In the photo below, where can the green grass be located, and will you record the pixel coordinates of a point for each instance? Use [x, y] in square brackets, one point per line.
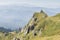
[51, 27]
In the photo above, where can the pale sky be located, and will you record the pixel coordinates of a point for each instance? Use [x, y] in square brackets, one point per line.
[17, 13]
[32, 3]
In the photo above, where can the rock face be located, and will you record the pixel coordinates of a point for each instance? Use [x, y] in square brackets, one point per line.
[40, 27]
[35, 22]
[16, 39]
[35, 26]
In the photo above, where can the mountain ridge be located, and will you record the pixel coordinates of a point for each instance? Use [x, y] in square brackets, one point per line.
[40, 27]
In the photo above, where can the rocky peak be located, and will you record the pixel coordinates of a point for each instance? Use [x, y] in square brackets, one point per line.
[41, 11]
[35, 22]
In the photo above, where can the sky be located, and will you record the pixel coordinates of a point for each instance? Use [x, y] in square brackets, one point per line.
[33, 3]
[17, 13]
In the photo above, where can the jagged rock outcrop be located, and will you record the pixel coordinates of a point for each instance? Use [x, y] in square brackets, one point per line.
[41, 25]
[35, 22]
[16, 39]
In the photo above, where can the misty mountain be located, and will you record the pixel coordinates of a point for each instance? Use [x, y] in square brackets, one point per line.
[2, 29]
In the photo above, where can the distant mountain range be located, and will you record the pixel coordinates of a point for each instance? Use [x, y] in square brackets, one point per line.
[2, 29]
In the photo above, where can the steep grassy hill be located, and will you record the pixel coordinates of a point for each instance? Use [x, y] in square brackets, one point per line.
[40, 27]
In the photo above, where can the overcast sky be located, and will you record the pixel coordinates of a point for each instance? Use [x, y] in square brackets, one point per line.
[33, 3]
[16, 13]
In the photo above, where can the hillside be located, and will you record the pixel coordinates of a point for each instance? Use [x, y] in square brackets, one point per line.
[40, 27]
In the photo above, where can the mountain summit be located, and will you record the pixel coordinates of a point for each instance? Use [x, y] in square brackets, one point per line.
[40, 27]
[42, 11]
[35, 22]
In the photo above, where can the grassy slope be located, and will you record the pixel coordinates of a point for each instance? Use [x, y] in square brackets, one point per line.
[55, 37]
[50, 32]
[52, 29]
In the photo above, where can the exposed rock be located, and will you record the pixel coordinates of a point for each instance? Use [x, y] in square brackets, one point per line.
[35, 26]
[35, 19]
[32, 27]
[35, 34]
[41, 11]
[16, 39]
[6, 34]
[28, 30]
